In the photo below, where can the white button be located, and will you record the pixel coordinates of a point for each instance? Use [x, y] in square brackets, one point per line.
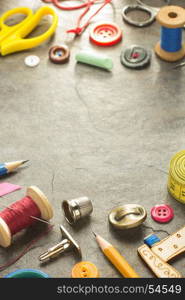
[32, 61]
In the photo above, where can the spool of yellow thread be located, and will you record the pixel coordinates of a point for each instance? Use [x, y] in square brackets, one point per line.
[176, 179]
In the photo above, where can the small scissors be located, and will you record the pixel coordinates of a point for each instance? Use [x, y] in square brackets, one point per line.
[12, 38]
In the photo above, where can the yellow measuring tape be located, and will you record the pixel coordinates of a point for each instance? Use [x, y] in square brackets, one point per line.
[176, 179]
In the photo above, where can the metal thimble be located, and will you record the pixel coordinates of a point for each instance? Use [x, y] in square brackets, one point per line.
[77, 209]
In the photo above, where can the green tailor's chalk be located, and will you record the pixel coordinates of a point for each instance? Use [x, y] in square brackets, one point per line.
[93, 59]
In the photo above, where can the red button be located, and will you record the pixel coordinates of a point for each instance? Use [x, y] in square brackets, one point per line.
[162, 213]
[105, 34]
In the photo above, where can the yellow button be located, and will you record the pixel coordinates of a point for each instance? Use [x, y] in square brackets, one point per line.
[85, 269]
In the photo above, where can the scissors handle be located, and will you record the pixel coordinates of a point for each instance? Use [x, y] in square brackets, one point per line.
[6, 30]
[17, 42]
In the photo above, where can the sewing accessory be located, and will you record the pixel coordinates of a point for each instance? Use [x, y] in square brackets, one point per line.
[116, 258]
[9, 167]
[156, 254]
[127, 216]
[176, 177]
[32, 61]
[23, 214]
[85, 269]
[105, 34]
[77, 209]
[68, 243]
[135, 57]
[162, 213]
[12, 38]
[129, 8]
[172, 19]
[87, 5]
[59, 54]
[7, 188]
[27, 273]
[59, 5]
[93, 59]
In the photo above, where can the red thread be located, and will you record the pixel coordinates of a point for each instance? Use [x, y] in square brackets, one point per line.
[78, 30]
[82, 5]
[87, 5]
[19, 214]
[26, 249]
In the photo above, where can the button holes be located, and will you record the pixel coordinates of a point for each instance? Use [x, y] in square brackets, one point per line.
[135, 55]
[84, 273]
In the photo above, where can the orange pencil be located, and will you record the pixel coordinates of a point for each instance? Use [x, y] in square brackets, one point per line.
[116, 258]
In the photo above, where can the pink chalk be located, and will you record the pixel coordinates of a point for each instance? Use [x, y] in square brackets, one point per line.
[7, 188]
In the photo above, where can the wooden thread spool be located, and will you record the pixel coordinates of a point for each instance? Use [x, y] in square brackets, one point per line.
[43, 205]
[172, 19]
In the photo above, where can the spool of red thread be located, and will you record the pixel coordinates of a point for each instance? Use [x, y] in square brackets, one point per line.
[23, 213]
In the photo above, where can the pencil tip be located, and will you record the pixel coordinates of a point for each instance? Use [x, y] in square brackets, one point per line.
[25, 161]
[94, 233]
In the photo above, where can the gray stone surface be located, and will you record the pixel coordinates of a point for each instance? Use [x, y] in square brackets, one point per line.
[109, 136]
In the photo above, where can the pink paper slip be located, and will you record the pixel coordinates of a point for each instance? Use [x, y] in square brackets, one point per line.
[7, 188]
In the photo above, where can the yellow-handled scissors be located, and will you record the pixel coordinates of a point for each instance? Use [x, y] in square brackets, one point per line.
[12, 38]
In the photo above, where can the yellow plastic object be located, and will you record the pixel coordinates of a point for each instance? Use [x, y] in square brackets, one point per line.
[85, 269]
[12, 38]
[176, 179]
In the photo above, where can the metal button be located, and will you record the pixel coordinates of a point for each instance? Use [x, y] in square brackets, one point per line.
[135, 57]
[127, 216]
[130, 8]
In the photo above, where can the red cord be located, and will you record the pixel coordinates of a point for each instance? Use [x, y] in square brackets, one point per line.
[78, 30]
[87, 4]
[60, 6]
